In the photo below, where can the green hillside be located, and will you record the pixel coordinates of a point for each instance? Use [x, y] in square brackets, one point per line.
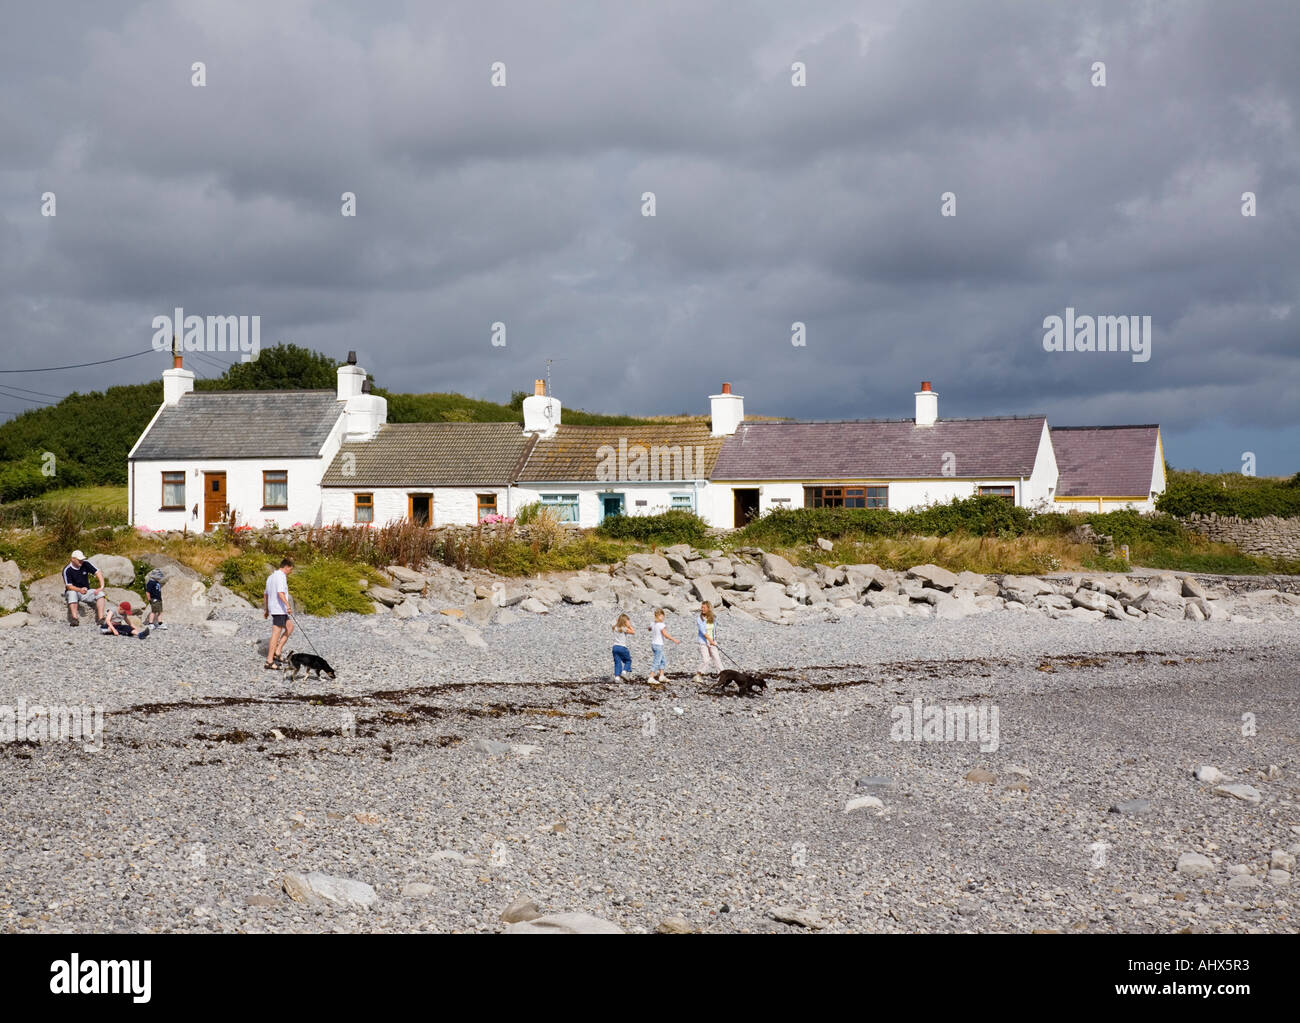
[89, 435]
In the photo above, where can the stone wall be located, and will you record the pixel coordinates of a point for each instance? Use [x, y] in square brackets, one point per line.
[1270, 536]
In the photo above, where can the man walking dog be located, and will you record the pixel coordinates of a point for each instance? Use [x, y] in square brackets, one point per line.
[275, 604]
[76, 587]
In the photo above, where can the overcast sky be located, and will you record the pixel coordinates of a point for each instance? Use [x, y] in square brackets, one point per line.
[774, 203]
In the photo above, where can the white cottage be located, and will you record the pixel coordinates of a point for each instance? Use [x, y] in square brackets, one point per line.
[256, 455]
[881, 463]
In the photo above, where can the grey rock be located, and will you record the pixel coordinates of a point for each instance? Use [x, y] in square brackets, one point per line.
[417, 890]
[489, 746]
[339, 891]
[1132, 807]
[934, 576]
[522, 909]
[800, 917]
[1195, 864]
[777, 569]
[675, 925]
[16, 620]
[1248, 793]
[385, 595]
[565, 923]
[1207, 773]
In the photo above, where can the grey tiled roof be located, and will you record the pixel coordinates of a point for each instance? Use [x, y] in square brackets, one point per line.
[881, 449]
[572, 455]
[432, 454]
[1105, 461]
[242, 424]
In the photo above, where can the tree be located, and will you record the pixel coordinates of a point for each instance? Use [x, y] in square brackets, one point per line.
[285, 367]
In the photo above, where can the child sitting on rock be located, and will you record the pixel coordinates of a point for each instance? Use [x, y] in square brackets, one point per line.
[118, 623]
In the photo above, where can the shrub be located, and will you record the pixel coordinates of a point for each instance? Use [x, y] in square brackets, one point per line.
[670, 527]
[1229, 493]
[974, 516]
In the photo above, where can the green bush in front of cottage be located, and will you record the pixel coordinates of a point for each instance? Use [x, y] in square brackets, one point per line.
[972, 516]
[663, 530]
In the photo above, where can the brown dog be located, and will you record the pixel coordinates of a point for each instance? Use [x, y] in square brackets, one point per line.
[745, 682]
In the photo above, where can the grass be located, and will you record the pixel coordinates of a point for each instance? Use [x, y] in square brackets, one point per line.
[325, 586]
[96, 506]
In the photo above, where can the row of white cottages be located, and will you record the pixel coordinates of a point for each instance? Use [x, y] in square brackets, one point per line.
[322, 457]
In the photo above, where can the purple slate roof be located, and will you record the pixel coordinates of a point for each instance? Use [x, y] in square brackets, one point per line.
[1002, 447]
[1105, 461]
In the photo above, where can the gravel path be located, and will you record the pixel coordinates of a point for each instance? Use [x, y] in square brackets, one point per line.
[635, 805]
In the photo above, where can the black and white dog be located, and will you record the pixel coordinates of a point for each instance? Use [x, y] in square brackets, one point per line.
[308, 663]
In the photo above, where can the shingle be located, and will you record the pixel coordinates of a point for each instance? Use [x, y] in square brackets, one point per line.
[1105, 461]
[574, 453]
[881, 449]
[432, 454]
[242, 424]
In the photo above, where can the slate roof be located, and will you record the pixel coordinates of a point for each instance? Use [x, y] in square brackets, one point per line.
[1002, 447]
[433, 454]
[1105, 461]
[242, 424]
[572, 455]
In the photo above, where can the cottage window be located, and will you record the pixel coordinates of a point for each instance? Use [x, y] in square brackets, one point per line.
[487, 505]
[877, 497]
[682, 502]
[363, 508]
[173, 491]
[275, 489]
[565, 505]
[1006, 493]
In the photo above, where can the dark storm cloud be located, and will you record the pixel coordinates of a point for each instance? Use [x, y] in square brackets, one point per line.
[775, 204]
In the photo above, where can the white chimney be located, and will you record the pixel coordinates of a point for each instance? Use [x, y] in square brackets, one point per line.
[727, 411]
[365, 412]
[177, 381]
[351, 377]
[927, 405]
[541, 411]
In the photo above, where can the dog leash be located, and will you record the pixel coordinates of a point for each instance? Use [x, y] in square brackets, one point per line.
[298, 623]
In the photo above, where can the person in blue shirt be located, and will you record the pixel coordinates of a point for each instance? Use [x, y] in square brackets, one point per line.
[153, 591]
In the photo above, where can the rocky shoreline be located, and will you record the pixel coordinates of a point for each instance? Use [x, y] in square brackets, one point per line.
[473, 768]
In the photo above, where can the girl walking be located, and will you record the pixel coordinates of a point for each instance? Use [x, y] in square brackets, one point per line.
[704, 634]
[658, 633]
[622, 655]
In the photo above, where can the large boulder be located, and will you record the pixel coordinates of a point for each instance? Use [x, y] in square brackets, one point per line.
[11, 596]
[703, 589]
[386, 596]
[1093, 600]
[170, 567]
[779, 570]
[117, 570]
[224, 599]
[934, 576]
[747, 576]
[652, 564]
[185, 601]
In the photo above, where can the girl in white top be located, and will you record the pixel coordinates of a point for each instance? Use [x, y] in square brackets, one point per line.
[658, 633]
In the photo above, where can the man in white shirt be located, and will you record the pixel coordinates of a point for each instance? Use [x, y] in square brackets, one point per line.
[275, 605]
